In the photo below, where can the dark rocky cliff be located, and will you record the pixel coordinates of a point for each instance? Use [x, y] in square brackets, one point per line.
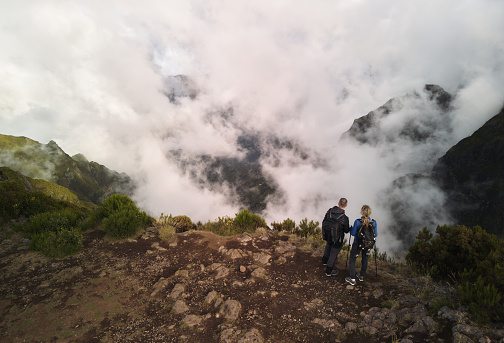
[472, 175]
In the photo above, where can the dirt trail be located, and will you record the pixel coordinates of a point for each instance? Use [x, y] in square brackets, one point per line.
[195, 287]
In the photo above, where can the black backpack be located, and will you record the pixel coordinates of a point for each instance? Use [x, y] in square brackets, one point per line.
[332, 230]
[365, 236]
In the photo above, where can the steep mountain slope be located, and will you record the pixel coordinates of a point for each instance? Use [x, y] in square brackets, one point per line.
[89, 180]
[472, 175]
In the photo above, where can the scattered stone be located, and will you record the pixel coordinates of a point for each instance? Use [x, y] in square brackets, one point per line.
[177, 290]
[192, 320]
[235, 253]
[377, 293]
[182, 273]
[243, 269]
[218, 302]
[455, 316]
[180, 306]
[350, 326]
[244, 238]
[262, 258]
[259, 273]
[418, 327]
[314, 304]
[222, 272]
[252, 336]
[211, 297]
[231, 309]
[228, 335]
[160, 286]
[330, 324]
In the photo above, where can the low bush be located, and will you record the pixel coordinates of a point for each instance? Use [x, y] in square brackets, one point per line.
[308, 228]
[483, 299]
[246, 221]
[182, 223]
[223, 226]
[15, 201]
[470, 257]
[57, 243]
[54, 234]
[288, 225]
[52, 221]
[121, 217]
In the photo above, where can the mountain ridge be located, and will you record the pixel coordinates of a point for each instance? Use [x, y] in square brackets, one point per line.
[90, 181]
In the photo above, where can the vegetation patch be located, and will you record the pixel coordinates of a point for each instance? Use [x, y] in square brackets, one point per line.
[470, 258]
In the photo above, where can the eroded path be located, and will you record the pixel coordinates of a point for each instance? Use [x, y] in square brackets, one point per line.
[199, 287]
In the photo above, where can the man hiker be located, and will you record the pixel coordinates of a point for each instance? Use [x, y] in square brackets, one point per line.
[334, 217]
[364, 232]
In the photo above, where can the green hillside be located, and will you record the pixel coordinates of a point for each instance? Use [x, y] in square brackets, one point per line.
[90, 181]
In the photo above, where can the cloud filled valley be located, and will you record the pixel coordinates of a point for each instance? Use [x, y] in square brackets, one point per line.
[195, 99]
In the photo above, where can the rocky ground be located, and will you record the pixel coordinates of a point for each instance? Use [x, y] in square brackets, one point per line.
[199, 287]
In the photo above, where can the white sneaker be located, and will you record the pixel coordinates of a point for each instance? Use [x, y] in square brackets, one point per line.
[360, 277]
[350, 280]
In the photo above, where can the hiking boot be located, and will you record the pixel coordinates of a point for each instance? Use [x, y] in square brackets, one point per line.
[350, 280]
[360, 277]
[324, 261]
[331, 273]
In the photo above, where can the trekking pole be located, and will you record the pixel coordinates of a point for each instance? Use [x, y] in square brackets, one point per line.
[375, 259]
[348, 252]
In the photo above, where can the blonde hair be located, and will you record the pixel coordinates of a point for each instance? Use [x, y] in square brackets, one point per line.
[366, 212]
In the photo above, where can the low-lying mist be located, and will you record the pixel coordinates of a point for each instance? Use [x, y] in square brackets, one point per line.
[156, 90]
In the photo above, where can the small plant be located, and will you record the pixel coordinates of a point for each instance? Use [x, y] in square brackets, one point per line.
[122, 223]
[483, 299]
[390, 303]
[461, 255]
[288, 225]
[245, 221]
[276, 226]
[307, 228]
[57, 243]
[437, 303]
[182, 223]
[165, 226]
[121, 217]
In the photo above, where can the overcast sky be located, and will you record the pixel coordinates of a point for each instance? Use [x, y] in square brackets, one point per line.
[90, 75]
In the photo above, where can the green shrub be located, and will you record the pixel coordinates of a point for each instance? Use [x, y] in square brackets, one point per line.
[277, 226]
[483, 299]
[245, 221]
[15, 201]
[122, 223]
[308, 228]
[182, 223]
[57, 243]
[288, 225]
[52, 221]
[462, 255]
[224, 226]
[121, 217]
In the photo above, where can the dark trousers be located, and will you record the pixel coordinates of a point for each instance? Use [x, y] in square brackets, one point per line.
[330, 254]
[353, 256]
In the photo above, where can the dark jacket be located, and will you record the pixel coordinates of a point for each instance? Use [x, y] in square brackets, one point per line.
[343, 220]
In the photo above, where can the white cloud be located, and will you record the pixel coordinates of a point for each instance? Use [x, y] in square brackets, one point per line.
[89, 75]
